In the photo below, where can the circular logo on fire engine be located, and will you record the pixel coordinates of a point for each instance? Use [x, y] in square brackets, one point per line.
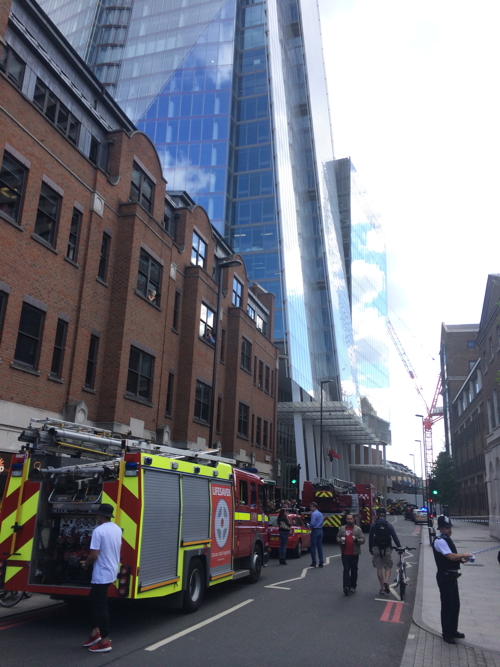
[222, 523]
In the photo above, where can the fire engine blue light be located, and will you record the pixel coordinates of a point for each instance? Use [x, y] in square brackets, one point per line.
[131, 469]
[17, 469]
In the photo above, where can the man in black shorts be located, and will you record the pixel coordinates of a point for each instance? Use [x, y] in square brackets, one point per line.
[380, 542]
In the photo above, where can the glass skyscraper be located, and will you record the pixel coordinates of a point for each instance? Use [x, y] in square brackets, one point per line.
[233, 94]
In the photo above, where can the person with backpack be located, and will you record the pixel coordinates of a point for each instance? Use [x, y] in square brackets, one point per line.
[380, 542]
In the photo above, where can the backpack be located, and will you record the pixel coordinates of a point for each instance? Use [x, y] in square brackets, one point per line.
[382, 535]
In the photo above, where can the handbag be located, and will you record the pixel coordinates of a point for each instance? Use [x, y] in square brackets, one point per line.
[284, 526]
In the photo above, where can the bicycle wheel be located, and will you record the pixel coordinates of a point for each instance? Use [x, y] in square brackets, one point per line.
[10, 598]
[402, 582]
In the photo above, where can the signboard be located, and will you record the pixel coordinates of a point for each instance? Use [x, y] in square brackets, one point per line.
[222, 527]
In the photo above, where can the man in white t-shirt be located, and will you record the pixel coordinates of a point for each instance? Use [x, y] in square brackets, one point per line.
[105, 557]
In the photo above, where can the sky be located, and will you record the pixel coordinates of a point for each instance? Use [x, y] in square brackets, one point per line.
[414, 101]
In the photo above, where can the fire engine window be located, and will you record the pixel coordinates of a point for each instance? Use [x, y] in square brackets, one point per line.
[297, 521]
[262, 498]
[253, 494]
[243, 493]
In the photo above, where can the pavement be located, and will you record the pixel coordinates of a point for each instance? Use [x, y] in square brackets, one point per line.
[479, 588]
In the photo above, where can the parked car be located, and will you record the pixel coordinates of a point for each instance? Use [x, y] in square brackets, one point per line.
[421, 516]
[299, 537]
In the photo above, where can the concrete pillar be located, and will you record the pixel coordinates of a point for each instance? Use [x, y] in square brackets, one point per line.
[310, 446]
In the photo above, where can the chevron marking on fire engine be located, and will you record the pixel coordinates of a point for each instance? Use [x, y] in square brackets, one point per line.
[302, 576]
[128, 525]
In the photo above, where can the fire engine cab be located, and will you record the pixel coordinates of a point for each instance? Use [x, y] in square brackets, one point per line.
[190, 520]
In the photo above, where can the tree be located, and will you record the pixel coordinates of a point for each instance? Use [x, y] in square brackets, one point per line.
[444, 480]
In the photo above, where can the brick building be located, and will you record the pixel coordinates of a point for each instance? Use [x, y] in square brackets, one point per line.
[470, 361]
[109, 283]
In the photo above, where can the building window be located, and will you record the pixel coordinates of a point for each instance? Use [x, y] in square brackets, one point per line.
[258, 432]
[12, 180]
[260, 384]
[177, 306]
[251, 312]
[29, 336]
[94, 151]
[223, 345]
[170, 221]
[47, 214]
[266, 385]
[243, 412]
[471, 343]
[3, 308]
[170, 394]
[141, 188]
[246, 354]
[140, 374]
[219, 414]
[485, 362]
[55, 111]
[59, 344]
[265, 434]
[272, 383]
[12, 65]
[261, 324]
[252, 436]
[104, 258]
[202, 402]
[207, 317]
[92, 362]
[255, 370]
[149, 278]
[237, 293]
[198, 251]
[490, 343]
[74, 235]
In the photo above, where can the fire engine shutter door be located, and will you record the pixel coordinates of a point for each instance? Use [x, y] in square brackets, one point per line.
[160, 532]
[195, 509]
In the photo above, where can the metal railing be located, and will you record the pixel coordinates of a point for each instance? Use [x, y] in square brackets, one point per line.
[472, 519]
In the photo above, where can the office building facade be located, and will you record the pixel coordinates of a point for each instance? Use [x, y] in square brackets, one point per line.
[233, 95]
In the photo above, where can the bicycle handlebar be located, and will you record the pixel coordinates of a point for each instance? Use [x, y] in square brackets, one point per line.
[404, 548]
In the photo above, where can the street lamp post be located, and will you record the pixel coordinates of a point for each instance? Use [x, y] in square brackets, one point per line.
[423, 454]
[414, 478]
[322, 382]
[222, 265]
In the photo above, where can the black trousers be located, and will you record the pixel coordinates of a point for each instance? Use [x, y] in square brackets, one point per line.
[99, 615]
[350, 564]
[450, 603]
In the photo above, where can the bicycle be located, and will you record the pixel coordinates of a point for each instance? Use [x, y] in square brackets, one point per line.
[11, 598]
[401, 577]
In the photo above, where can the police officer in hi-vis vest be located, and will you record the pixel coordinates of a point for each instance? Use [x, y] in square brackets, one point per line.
[448, 565]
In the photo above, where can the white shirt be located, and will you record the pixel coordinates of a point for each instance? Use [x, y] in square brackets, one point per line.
[107, 539]
[442, 546]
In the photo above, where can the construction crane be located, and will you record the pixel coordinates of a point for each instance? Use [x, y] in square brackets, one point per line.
[432, 413]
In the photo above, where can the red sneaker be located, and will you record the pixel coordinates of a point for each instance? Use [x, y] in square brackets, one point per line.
[101, 647]
[93, 639]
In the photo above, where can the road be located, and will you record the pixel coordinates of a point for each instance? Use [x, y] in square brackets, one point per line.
[295, 615]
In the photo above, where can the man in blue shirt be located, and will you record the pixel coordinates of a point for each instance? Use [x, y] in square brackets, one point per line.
[316, 526]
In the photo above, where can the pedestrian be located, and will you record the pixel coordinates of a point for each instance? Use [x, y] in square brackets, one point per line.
[104, 556]
[316, 526]
[448, 565]
[350, 537]
[380, 544]
[284, 528]
[209, 337]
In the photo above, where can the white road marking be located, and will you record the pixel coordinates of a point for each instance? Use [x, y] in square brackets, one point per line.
[389, 600]
[302, 575]
[153, 647]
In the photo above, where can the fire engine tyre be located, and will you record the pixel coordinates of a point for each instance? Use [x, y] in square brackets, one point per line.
[255, 565]
[195, 586]
[297, 552]
[10, 598]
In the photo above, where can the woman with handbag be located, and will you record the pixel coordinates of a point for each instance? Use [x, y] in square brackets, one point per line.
[284, 527]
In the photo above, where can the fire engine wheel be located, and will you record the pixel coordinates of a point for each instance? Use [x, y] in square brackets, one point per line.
[195, 586]
[255, 565]
[297, 552]
[10, 598]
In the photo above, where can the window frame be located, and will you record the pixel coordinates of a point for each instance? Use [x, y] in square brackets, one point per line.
[137, 193]
[177, 310]
[170, 395]
[61, 332]
[237, 296]
[102, 270]
[73, 125]
[246, 355]
[243, 420]
[45, 192]
[4, 297]
[20, 192]
[202, 402]
[258, 431]
[73, 247]
[170, 221]
[204, 324]
[196, 253]
[92, 357]
[150, 284]
[140, 375]
[6, 68]
[26, 307]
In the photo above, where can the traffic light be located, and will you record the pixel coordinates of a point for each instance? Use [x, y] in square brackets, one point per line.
[433, 487]
[295, 475]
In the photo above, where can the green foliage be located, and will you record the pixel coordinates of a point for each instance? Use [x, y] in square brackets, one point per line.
[443, 479]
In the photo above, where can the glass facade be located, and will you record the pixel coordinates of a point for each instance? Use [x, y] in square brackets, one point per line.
[233, 94]
[364, 248]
